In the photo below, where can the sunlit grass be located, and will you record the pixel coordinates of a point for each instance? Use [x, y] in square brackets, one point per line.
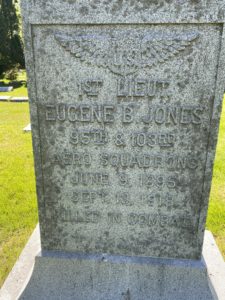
[216, 213]
[18, 209]
[19, 85]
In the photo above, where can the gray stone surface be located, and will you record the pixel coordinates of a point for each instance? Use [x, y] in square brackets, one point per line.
[115, 278]
[124, 117]
[215, 265]
[50, 276]
[129, 11]
[20, 274]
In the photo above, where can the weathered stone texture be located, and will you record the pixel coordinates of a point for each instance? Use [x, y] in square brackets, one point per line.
[124, 119]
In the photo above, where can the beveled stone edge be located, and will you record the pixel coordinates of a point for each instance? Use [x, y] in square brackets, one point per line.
[71, 12]
[22, 270]
[20, 274]
[215, 265]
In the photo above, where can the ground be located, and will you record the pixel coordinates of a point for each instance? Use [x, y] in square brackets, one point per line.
[216, 212]
[18, 207]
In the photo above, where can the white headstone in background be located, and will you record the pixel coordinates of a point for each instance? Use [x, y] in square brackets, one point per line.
[27, 128]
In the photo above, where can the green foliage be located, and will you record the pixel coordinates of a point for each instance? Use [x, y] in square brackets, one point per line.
[11, 46]
[12, 73]
[19, 85]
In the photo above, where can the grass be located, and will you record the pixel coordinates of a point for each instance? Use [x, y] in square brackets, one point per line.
[18, 209]
[216, 212]
[19, 85]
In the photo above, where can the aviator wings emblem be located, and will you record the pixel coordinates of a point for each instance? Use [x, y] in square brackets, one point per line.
[123, 54]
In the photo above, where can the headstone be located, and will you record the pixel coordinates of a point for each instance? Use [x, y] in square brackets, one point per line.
[4, 98]
[19, 99]
[6, 88]
[125, 105]
[27, 128]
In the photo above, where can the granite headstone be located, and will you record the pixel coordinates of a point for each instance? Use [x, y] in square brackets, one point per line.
[6, 88]
[125, 103]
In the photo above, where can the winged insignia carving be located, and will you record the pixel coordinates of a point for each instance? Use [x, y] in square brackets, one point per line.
[125, 55]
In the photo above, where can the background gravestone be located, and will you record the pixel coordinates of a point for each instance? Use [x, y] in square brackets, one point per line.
[125, 103]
